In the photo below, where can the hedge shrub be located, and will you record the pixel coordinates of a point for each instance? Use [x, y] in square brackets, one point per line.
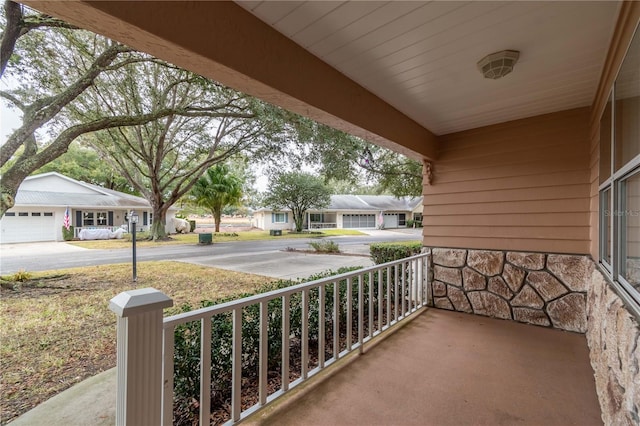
[388, 252]
[68, 234]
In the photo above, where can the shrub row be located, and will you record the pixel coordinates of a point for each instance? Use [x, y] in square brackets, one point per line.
[388, 252]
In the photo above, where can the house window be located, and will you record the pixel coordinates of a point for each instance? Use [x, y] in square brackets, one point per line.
[402, 219]
[101, 218]
[619, 222]
[49, 214]
[23, 214]
[315, 217]
[10, 214]
[279, 218]
[88, 219]
[36, 214]
[417, 217]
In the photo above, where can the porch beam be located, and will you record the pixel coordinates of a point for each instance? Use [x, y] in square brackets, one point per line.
[223, 41]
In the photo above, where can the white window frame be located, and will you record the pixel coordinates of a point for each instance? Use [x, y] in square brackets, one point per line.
[615, 212]
[279, 217]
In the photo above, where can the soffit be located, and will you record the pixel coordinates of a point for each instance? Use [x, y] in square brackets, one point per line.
[421, 57]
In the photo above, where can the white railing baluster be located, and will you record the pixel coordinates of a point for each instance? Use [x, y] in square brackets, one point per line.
[321, 325]
[263, 352]
[388, 296]
[370, 304]
[411, 287]
[236, 375]
[396, 286]
[336, 320]
[205, 371]
[380, 300]
[349, 312]
[304, 344]
[168, 353]
[403, 275]
[286, 331]
[360, 314]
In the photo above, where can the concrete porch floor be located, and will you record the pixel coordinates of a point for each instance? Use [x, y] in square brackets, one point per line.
[447, 368]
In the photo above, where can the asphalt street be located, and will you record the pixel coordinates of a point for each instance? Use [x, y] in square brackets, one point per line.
[261, 257]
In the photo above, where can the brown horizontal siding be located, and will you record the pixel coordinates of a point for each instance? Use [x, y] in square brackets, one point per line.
[515, 207]
[528, 219]
[526, 166]
[523, 185]
[571, 177]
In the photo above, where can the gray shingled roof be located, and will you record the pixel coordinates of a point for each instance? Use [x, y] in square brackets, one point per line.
[46, 198]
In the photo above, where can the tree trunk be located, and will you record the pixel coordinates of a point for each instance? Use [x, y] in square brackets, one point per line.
[298, 219]
[157, 230]
[217, 214]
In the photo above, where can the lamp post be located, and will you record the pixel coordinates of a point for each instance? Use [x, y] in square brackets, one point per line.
[133, 219]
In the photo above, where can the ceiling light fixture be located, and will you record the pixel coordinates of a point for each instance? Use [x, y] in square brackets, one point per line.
[498, 64]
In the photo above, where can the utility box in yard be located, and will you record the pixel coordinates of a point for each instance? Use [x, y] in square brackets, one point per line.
[275, 232]
[205, 238]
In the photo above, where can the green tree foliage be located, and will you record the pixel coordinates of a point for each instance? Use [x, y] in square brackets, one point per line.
[347, 161]
[299, 192]
[217, 189]
[163, 158]
[85, 164]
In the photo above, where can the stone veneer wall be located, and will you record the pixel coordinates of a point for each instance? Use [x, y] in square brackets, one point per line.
[536, 288]
[613, 334]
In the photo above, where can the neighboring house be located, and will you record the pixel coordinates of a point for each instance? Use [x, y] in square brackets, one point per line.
[42, 200]
[348, 212]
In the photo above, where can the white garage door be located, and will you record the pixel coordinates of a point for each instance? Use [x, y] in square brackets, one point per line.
[22, 227]
[359, 221]
[390, 220]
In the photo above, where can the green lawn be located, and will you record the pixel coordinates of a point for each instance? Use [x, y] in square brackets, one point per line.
[221, 237]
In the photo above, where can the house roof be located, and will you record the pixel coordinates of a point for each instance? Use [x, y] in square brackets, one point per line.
[47, 198]
[37, 191]
[348, 202]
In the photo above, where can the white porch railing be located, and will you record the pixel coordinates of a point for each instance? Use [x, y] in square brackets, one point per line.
[323, 225]
[78, 229]
[337, 315]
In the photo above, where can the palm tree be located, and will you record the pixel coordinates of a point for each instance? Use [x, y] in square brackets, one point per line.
[216, 189]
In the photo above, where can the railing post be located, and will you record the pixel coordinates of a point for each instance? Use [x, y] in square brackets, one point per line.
[139, 355]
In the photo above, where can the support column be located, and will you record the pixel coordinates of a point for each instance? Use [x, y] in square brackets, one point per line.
[139, 355]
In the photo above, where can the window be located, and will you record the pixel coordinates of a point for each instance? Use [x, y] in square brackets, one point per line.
[402, 219]
[36, 214]
[87, 219]
[279, 218]
[11, 214]
[49, 214]
[417, 217]
[101, 218]
[315, 217]
[620, 179]
[23, 214]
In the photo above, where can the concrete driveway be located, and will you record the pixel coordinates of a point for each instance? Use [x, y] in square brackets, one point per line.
[268, 257]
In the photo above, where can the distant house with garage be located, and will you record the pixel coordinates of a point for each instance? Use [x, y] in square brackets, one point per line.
[42, 200]
[348, 212]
